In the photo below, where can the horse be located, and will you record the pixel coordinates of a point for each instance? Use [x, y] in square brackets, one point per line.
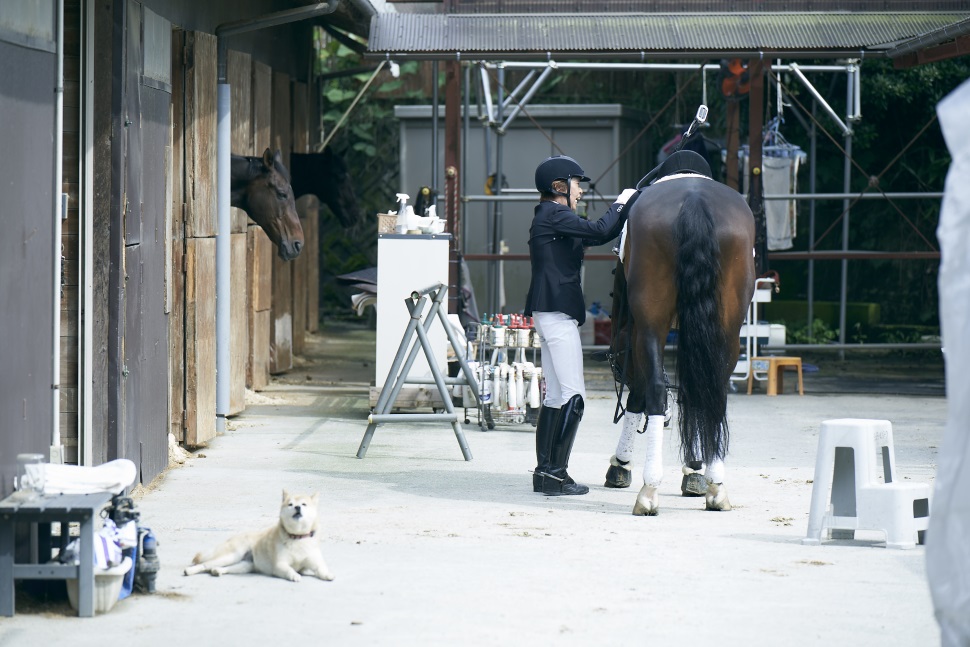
[260, 186]
[325, 176]
[688, 259]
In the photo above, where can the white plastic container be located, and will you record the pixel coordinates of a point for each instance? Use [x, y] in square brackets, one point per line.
[107, 587]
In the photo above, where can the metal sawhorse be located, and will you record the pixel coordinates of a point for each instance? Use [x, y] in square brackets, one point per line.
[398, 375]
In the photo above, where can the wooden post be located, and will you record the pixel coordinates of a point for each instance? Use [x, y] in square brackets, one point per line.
[281, 324]
[259, 249]
[732, 143]
[756, 187]
[453, 176]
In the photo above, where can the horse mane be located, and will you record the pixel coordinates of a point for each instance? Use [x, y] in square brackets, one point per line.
[255, 168]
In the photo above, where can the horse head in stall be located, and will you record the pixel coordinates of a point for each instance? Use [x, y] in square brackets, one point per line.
[325, 176]
[688, 263]
[261, 188]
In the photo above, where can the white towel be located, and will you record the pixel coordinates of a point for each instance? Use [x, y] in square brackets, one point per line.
[780, 177]
[113, 476]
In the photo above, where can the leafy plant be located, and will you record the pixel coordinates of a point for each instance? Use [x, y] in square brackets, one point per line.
[367, 139]
[819, 334]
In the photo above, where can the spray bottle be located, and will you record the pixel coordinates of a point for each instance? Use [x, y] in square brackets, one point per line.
[401, 226]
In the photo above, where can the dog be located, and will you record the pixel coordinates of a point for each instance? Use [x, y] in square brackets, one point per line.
[286, 550]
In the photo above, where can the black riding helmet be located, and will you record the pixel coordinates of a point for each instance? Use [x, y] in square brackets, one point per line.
[559, 167]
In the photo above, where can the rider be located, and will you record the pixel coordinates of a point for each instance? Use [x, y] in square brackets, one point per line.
[555, 300]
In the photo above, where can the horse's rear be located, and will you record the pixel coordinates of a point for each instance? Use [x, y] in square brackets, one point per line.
[688, 260]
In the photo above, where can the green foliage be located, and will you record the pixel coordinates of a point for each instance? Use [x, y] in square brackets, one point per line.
[819, 334]
[368, 142]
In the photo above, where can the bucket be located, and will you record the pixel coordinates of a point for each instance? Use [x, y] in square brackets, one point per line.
[107, 587]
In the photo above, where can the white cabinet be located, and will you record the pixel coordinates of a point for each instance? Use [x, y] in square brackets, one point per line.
[408, 263]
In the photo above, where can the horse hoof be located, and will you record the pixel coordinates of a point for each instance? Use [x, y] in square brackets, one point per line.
[648, 502]
[693, 483]
[619, 475]
[716, 498]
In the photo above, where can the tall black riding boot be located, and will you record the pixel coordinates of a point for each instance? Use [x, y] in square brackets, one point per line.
[545, 435]
[555, 480]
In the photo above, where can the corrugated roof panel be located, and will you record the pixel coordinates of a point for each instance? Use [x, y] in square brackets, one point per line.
[518, 33]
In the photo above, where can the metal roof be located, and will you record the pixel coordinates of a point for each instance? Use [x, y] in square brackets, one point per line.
[651, 35]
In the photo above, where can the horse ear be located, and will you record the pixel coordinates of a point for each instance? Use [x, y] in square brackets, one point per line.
[268, 158]
[278, 157]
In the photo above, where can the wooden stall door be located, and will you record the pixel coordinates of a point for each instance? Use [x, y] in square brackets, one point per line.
[195, 199]
[26, 252]
[144, 372]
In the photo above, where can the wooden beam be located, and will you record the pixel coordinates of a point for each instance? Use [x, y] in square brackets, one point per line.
[957, 47]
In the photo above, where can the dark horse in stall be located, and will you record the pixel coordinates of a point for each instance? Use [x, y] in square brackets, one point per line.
[261, 187]
[325, 176]
[687, 263]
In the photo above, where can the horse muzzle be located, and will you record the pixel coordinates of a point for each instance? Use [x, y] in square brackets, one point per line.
[290, 250]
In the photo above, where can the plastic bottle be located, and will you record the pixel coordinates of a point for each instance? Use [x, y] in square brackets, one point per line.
[401, 226]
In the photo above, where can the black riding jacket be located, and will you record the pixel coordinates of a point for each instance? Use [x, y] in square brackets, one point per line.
[556, 241]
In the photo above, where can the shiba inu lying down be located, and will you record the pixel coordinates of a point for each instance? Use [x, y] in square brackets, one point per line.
[286, 550]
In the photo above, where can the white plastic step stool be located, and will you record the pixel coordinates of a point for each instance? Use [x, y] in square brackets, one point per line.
[845, 465]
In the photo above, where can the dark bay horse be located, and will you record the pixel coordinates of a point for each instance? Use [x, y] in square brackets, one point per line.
[687, 263]
[325, 176]
[261, 187]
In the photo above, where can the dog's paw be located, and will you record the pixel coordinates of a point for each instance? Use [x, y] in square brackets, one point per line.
[294, 577]
[326, 577]
[217, 571]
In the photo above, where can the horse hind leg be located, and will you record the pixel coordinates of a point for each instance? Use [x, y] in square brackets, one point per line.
[716, 498]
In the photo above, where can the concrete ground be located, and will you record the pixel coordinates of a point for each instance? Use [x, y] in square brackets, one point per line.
[429, 549]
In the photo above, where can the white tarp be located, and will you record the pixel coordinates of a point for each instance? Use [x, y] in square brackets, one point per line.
[948, 537]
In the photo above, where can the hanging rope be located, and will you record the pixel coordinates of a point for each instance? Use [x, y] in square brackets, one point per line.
[352, 105]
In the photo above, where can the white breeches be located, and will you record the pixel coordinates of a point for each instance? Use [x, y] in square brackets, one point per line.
[562, 357]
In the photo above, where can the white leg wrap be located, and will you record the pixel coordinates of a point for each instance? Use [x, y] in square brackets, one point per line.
[631, 423]
[715, 471]
[653, 468]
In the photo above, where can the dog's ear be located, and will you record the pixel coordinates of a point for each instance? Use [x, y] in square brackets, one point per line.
[315, 498]
[285, 496]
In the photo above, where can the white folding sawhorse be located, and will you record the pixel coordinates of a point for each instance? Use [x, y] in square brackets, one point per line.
[398, 375]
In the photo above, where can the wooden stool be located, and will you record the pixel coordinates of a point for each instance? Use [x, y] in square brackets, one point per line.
[776, 368]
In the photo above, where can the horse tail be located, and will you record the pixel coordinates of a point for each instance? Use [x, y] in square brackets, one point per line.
[701, 342]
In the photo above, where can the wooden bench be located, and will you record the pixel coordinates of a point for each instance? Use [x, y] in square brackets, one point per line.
[776, 368]
[41, 511]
